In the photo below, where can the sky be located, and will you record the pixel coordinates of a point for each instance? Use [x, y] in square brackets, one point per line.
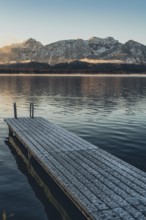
[52, 20]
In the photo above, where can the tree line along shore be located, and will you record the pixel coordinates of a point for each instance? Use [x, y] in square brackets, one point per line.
[73, 67]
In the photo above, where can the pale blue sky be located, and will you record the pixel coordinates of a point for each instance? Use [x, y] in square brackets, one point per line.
[51, 20]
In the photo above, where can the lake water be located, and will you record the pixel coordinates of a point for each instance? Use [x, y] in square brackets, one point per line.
[109, 112]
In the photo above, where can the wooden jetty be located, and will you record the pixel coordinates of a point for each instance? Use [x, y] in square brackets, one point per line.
[99, 184]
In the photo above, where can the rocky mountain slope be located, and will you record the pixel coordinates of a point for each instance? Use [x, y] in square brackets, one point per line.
[95, 49]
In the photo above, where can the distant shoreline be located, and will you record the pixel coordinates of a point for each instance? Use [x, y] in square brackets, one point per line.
[75, 75]
[74, 68]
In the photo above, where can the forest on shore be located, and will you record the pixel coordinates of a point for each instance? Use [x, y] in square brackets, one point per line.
[72, 68]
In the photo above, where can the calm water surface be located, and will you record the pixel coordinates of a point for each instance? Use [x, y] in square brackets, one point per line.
[110, 112]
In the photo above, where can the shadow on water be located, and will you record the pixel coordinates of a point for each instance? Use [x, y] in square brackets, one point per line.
[57, 206]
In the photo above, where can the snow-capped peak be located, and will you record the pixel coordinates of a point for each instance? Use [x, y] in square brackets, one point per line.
[103, 41]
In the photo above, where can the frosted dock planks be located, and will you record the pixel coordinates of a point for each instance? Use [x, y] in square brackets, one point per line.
[98, 183]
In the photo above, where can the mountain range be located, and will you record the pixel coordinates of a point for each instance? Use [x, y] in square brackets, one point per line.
[94, 50]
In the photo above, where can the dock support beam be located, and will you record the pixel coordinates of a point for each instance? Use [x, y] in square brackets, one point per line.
[10, 133]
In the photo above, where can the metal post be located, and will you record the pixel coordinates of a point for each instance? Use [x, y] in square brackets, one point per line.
[32, 110]
[15, 110]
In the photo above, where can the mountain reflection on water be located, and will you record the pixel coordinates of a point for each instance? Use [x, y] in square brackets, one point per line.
[107, 111]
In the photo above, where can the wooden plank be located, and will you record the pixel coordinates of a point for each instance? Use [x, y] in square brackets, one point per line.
[71, 178]
[110, 183]
[61, 142]
[72, 137]
[72, 141]
[115, 160]
[97, 182]
[54, 142]
[54, 145]
[96, 157]
[122, 165]
[108, 165]
[39, 130]
[97, 179]
[61, 168]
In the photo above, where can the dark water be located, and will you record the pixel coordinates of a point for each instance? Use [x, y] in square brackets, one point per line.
[110, 112]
